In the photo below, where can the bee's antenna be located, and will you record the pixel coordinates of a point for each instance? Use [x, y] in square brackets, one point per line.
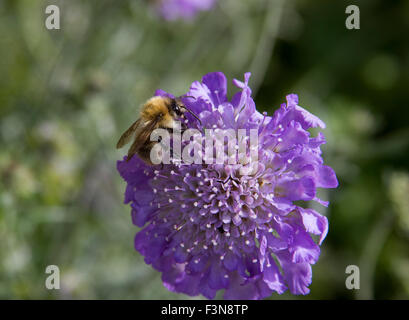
[186, 96]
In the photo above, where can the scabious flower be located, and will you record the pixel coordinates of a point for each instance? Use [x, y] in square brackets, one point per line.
[183, 9]
[248, 235]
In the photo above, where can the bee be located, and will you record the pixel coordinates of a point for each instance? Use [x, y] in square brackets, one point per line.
[157, 112]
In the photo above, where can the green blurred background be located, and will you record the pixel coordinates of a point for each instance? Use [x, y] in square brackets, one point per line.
[66, 96]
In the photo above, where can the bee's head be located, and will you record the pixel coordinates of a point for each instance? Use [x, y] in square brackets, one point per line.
[178, 109]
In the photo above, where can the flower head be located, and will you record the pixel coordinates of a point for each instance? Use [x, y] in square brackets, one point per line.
[183, 9]
[208, 228]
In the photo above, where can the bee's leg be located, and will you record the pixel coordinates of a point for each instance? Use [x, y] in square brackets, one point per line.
[183, 127]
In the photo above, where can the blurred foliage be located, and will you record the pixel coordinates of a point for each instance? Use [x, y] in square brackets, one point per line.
[66, 96]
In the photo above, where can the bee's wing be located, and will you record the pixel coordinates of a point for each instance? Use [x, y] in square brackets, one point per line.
[127, 135]
[142, 137]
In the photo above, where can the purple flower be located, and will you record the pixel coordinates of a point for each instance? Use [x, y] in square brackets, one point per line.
[208, 228]
[183, 9]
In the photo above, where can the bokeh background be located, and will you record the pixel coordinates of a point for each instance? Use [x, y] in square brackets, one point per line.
[66, 96]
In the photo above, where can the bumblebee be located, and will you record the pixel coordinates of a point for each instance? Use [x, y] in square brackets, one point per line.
[157, 112]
